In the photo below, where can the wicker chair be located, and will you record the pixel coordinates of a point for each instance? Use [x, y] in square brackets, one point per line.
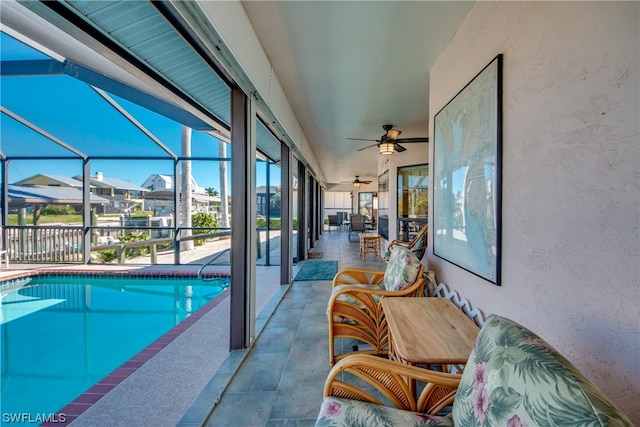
[418, 245]
[512, 378]
[354, 310]
[383, 382]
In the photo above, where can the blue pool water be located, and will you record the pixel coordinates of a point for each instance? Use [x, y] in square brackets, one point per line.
[60, 335]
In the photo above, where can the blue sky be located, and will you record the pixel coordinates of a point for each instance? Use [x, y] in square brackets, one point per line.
[74, 113]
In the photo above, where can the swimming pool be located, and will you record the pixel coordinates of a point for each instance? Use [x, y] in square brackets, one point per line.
[61, 334]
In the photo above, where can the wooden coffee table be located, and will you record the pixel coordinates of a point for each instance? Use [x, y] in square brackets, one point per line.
[428, 331]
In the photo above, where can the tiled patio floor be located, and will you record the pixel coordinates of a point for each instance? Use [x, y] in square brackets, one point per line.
[281, 380]
[278, 382]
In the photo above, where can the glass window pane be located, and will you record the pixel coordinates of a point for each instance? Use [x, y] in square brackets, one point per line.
[71, 111]
[275, 213]
[14, 50]
[413, 200]
[18, 140]
[294, 209]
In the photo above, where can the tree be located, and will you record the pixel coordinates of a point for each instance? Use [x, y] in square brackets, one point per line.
[211, 191]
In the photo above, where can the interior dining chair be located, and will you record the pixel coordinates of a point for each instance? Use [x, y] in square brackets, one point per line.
[334, 221]
[357, 224]
[354, 311]
[418, 245]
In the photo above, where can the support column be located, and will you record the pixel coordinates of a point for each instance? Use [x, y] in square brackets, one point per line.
[311, 200]
[4, 201]
[243, 220]
[224, 199]
[86, 211]
[286, 213]
[177, 223]
[185, 189]
[302, 212]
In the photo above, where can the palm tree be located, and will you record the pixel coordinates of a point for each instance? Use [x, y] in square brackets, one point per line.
[211, 191]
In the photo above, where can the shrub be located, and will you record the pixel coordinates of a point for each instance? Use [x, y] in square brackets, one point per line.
[58, 210]
[135, 236]
[204, 221]
[275, 223]
[108, 256]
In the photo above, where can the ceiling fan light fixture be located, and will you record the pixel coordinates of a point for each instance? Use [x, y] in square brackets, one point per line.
[356, 184]
[393, 134]
[386, 148]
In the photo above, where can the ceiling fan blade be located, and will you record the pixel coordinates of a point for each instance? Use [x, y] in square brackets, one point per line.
[412, 140]
[362, 139]
[368, 146]
[400, 148]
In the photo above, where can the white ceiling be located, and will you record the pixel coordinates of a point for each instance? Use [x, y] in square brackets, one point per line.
[348, 67]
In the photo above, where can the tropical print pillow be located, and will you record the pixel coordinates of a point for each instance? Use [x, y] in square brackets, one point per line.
[336, 412]
[514, 378]
[402, 269]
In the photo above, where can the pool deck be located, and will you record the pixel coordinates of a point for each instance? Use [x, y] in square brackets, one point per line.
[193, 380]
[159, 384]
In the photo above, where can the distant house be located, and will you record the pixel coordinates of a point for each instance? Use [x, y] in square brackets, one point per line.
[51, 181]
[101, 186]
[115, 195]
[159, 182]
[159, 198]
[268, 204]
[122, 195]
[114, 187]
[35, 197]
[161, 203]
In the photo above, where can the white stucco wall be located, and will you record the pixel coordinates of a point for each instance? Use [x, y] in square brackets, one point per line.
[571, 194]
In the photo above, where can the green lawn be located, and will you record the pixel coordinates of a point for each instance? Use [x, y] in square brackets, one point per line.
[46, 219]
[55, 219]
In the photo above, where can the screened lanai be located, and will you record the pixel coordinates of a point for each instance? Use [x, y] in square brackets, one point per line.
[65, 122]
[124, 112]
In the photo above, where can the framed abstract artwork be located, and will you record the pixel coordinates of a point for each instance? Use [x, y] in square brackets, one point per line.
[467, 173]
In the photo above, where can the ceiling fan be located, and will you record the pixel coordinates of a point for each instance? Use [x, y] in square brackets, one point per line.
[390, 141]
[358, 182]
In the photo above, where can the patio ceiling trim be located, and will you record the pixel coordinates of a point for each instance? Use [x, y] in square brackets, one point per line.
[151, 46]
[192, 16]
[106, 20]
[45, 67]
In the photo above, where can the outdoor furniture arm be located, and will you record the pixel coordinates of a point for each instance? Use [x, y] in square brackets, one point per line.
[418, 245]
[358, 276]
[354, 310]
[390, 380]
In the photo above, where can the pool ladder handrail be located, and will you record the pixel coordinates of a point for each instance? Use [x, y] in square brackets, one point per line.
[213, 258]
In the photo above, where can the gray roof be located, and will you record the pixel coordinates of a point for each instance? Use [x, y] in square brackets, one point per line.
[115, 183]
[45, 194]
[67, 180]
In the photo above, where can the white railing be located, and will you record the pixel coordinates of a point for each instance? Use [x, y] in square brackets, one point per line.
[44, 243]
